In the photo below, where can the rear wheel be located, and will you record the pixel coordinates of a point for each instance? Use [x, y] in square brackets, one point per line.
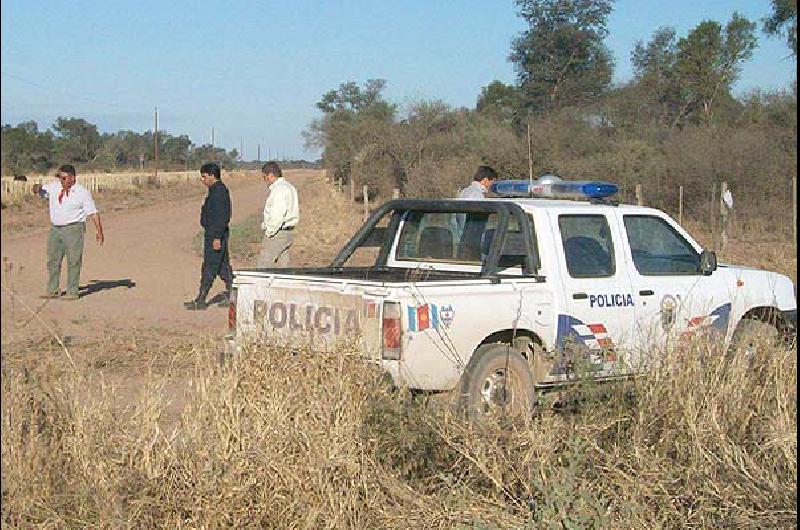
[498, 381]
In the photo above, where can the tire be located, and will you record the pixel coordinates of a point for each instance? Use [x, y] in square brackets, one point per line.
[751, 334]
[497, 382]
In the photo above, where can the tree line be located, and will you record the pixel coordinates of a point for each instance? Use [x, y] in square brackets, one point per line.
[26, 149]
[676, 122]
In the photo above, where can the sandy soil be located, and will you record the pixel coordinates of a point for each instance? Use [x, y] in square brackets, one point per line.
[139, 278]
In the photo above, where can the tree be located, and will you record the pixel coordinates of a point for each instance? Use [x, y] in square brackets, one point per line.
[708, 62]
[350, 97]
[24, 148]
[783, 18]
[656, 60]
[499, 101]
[654, 73]
[77, 140]
[175, 149]
[561, 59]
[353, 117]
[688, 78]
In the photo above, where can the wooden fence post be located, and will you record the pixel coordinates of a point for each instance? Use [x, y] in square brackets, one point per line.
[365, 192]
[794, 210]
[639, 198]
[711, 222]
[396, 193]
[680, 205]
[723, 216]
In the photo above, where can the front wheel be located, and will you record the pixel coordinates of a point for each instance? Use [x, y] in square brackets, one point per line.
[752, 334]
[497, 381]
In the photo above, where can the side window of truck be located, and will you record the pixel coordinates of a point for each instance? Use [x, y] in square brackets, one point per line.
[588, 245]
[658, 249]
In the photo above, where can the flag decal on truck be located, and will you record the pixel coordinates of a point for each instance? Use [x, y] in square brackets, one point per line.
[716, 321]
[423, 317]
[593, 336]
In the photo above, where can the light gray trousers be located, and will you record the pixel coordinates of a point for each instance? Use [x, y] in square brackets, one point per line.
[275, 250]
[65, 241]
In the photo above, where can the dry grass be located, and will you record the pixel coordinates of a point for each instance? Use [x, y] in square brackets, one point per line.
[297, 438]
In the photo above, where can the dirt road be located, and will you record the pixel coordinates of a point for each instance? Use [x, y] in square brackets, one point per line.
[139, 278]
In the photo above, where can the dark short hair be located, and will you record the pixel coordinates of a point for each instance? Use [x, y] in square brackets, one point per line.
[272, 167]
[210, 168]
[68, 169]
[485, 172]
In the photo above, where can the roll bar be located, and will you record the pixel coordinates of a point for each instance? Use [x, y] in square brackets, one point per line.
[397, 207]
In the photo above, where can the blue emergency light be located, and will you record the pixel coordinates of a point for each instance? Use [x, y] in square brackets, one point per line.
[554, 188]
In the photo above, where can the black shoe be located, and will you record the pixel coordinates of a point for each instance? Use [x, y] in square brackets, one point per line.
[195, 305]
[226, 300]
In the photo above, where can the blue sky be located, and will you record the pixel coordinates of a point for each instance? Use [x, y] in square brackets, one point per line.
[254, 70]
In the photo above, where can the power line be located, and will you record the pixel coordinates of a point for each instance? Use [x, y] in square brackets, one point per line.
[51, 89]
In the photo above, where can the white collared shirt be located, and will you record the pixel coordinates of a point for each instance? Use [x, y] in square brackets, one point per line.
[74, 208]
[281, 209]
[473, 191]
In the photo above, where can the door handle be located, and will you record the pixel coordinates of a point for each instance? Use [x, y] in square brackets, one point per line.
[580, 296]
[646, 292]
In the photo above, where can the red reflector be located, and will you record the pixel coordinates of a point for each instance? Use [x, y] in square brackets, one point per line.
[391, 333]
[232, 311]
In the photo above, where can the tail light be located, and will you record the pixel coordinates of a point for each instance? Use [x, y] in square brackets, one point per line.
[392, 331]
[232, 310]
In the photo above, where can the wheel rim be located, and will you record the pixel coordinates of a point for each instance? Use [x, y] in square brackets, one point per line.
[497, 390]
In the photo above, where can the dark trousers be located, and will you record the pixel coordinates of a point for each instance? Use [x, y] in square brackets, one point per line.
[215, 263]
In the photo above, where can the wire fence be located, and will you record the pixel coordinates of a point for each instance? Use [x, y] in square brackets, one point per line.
[13, 190]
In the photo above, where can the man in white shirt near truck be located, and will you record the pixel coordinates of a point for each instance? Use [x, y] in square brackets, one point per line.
[281, 214]
[70, 204]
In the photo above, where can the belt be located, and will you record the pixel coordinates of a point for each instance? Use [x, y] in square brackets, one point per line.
[69, 224]
[287, 228]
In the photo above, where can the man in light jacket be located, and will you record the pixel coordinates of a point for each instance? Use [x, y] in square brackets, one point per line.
[281, 214]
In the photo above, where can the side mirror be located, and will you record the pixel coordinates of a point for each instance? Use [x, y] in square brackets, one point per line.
[708, 262]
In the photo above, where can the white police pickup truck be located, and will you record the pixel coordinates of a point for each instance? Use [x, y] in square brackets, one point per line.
[497, 298]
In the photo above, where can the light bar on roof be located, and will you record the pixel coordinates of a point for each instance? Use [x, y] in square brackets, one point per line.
[555, 189]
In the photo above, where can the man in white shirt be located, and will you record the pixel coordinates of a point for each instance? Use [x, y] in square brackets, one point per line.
[481, 183]
[70, 205]
[281, 214]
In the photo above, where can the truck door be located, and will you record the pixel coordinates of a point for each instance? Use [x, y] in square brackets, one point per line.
[674, 301]
[598, 315]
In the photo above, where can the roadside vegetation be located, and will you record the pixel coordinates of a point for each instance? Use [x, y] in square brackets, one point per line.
[676, 123]
[298, 438]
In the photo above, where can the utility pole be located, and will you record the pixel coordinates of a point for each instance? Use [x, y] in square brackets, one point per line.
[212, 136]
[241, 149]
[530, 155]
[269, 155]
[259, 153]
[156, 142]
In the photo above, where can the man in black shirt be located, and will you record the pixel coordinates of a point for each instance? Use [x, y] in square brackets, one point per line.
[214, 218]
